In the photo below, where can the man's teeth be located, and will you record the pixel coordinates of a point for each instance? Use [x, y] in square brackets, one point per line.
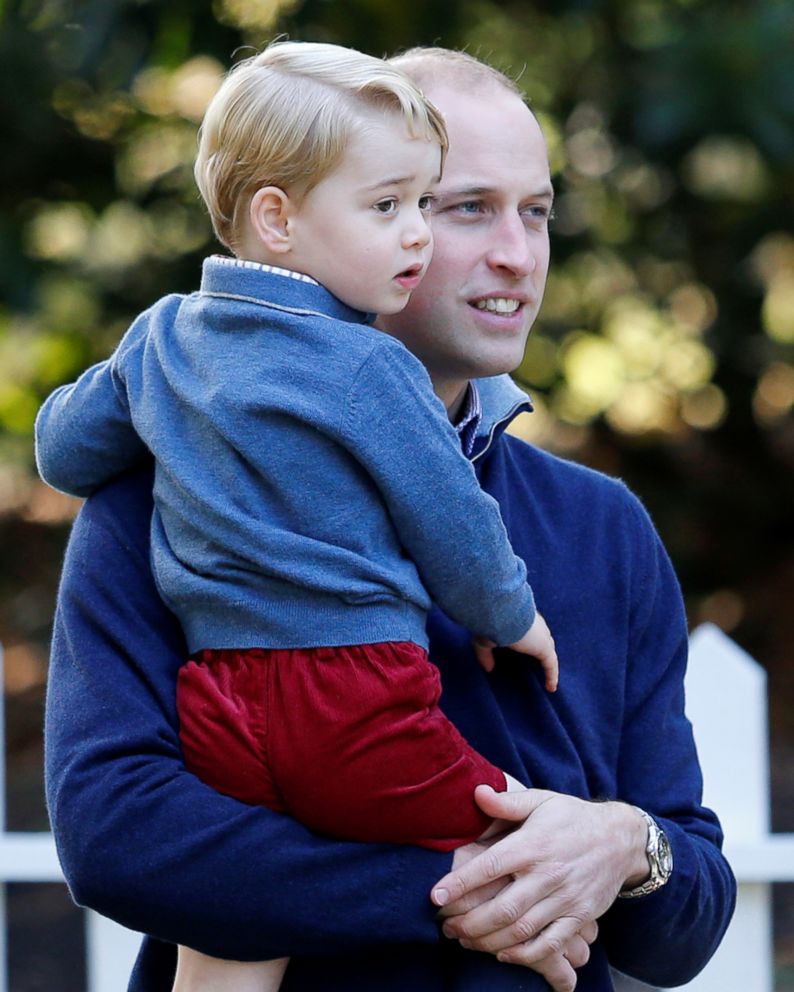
[498, 304]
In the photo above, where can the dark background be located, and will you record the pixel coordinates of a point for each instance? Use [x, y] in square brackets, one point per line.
[665, 349]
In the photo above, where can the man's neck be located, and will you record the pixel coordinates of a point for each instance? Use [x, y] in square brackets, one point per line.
[452, 394]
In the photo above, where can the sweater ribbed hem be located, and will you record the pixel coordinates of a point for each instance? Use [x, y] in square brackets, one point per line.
[295, 625]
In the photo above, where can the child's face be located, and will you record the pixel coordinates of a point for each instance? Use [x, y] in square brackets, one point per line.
[363, 231]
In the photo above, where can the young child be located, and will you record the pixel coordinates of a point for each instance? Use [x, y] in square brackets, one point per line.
[311, 496]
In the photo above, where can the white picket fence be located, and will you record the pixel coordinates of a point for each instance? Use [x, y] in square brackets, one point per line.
[727, 703]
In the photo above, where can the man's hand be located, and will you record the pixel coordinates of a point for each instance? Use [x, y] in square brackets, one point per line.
[547, 881]
[558, 967]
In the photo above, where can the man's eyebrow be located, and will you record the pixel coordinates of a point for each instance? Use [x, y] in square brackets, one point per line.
[465, 191]
[462, 192]
[544, 193]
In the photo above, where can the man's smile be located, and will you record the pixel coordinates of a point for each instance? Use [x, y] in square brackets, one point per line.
[498, 304]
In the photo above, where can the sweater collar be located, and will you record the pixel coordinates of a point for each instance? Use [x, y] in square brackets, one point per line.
[238, 278]
[501, 401]
[499, 397]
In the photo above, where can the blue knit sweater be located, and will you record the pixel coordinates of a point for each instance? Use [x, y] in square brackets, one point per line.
[148, 844]
[309, 488]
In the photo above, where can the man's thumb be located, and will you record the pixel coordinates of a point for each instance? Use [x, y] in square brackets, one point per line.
[509, 805]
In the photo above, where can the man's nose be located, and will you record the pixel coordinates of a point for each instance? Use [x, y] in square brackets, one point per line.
[512, 247]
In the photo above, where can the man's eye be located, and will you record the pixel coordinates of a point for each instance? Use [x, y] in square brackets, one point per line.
[468, 207]
[538, 212]
[387, 206]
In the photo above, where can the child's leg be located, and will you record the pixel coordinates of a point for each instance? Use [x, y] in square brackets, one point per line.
[225, 751]
[197, 972]
[393, 767]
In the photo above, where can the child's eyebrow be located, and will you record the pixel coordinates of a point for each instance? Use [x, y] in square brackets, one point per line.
[396, 181]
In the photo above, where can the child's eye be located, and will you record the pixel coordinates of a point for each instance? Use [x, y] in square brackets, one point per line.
[387, 206]
[426, 202]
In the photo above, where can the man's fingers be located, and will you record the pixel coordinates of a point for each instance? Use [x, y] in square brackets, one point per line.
[577, 952]
[589, 932]
[473, 899]
[563, 937]
[540, 932]
[557, 969]
[504, 857]
[557, 964]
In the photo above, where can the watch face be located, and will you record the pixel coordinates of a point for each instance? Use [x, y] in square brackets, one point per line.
[660, 860]
[665, 855]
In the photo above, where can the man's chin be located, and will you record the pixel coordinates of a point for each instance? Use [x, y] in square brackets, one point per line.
[500, 362]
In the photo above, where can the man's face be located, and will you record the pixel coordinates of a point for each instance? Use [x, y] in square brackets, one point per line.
[471, 315]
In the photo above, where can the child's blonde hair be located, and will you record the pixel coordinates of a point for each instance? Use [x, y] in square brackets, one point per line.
[284, 117]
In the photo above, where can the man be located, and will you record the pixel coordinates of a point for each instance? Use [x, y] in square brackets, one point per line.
[147, 844]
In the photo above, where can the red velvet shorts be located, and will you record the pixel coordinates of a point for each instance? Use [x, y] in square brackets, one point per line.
[348, 740]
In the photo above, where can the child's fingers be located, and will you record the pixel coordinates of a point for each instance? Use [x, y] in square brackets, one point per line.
[483, 650]
[551, 666]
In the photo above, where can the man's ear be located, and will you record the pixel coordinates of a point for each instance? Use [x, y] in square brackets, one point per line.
[270, 212]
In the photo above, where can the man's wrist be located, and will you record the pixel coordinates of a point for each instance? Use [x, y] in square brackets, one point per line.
[638, 868]
[658, 861]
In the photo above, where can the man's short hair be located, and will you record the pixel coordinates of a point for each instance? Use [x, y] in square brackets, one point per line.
[446, 66]
[284, 118]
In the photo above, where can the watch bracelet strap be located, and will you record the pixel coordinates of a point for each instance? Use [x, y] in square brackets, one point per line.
[655, 882]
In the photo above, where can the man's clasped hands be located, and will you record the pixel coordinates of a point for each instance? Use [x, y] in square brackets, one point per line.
[532, 895]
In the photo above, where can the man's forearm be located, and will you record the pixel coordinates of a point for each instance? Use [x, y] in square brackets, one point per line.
[146, 843]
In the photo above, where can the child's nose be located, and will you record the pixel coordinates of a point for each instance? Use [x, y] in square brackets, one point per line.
[417, 233]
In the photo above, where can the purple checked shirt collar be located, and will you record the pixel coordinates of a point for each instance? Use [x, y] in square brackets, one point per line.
[469, 419]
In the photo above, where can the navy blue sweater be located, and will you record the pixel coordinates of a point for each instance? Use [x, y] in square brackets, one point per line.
[146, 843]
[305, 470]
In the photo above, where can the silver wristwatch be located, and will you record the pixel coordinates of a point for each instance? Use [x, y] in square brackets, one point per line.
[660, 860]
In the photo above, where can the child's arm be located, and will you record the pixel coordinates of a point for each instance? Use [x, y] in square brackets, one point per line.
[84, 433]
[451, 529]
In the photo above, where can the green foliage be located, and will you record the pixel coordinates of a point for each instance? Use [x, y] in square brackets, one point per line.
[668, 321]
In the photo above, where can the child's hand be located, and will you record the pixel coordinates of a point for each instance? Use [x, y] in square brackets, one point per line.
[540, 644]
[537, 641]
[483, 649]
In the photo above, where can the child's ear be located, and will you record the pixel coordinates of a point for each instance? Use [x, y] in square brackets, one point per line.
[270, 213]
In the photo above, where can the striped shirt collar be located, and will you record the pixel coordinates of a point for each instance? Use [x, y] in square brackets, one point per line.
[246, 263]
[469, 419]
